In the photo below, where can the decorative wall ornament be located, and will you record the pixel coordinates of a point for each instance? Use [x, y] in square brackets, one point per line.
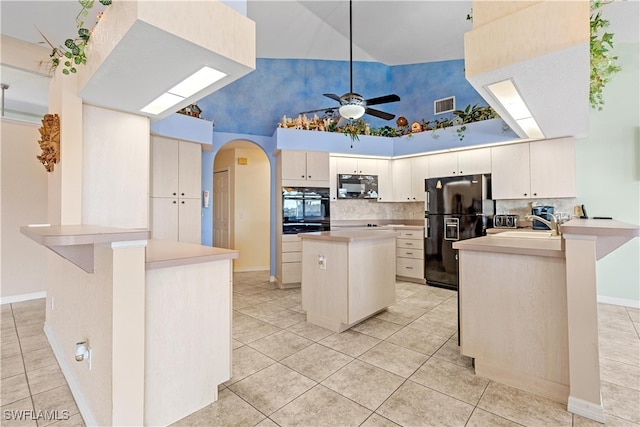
[50, 141]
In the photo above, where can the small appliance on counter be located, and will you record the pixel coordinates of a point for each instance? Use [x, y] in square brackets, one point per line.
[505, 221]
[543, 212]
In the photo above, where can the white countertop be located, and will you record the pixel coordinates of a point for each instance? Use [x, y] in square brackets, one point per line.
[514, 245]
[166, 253]
[351, 235]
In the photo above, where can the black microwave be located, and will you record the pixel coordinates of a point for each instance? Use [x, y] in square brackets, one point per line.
[352, 186]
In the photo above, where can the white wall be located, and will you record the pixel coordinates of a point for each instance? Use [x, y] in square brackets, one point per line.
[24, 201]
[115, 168]
[608, 174]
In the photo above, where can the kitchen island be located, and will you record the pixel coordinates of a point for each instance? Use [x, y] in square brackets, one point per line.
[347, 276]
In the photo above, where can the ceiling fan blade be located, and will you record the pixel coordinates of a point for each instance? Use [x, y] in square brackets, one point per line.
[324, 110]
[383, 99]
[332, 96]
[341, 122]
[378, 113]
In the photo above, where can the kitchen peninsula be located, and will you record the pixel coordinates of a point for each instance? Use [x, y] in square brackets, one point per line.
[528, 309]
[156, 315]
[347, 276]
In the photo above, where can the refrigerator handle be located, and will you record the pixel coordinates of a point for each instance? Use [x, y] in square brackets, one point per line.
[427, 202]
[427, 229]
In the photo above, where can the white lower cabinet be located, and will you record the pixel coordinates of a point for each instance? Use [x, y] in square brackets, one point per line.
[289, 272]
[410, 255]
[176, 219]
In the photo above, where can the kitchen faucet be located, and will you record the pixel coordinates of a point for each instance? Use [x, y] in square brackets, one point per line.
[554, 225]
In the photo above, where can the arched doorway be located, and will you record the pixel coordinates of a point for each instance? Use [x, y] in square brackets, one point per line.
[241, 203]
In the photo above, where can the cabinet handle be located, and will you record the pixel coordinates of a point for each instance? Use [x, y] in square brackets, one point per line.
[182, 202]
[525, 194]
[309, 176]
[409, 268]
[301, 176]
[174, 202]
[182, 194]
[409, 244]
[460, 172]
[535, 194]
[175, 194]
[409, 253]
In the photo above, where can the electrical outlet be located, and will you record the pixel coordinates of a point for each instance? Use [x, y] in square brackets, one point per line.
[322, 262]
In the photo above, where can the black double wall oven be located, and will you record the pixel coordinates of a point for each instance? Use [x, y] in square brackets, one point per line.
[305, 209]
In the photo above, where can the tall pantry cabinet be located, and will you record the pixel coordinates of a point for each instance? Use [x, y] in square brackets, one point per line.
[175, 190]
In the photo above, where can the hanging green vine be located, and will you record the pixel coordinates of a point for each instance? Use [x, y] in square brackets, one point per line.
[72, 53]
[603, 64]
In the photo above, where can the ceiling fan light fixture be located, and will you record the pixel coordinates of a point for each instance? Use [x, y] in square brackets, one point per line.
[351, 111]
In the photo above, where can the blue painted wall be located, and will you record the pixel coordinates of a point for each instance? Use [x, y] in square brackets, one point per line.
[256, 103]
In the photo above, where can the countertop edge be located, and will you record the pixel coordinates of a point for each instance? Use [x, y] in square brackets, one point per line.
[515, 246]
[165, 253]
[600, 227]
[347, 236]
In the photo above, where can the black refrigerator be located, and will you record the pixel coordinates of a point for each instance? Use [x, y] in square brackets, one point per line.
[456, 208]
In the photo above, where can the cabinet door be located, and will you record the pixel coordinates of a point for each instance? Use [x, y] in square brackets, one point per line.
[164, 218]
[333, 178]
[367, 166]
[473, 162]
[385, 186]
[189, 169]
[444, 164]
[553, 168]
[510, 178]
[164, 167]
[189, 221]
[346, 165]
[294, 164]
[401, 173]
[419, 172]
[317, 166]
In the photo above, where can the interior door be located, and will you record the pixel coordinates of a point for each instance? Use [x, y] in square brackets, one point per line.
[221, 214]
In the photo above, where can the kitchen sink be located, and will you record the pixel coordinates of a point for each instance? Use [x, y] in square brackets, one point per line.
[526, 235]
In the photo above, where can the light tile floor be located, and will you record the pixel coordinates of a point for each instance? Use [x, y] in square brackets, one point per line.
[401, 367]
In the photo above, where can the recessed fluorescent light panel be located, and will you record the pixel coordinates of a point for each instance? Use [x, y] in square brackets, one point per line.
[507, 94]
[193, 84]
[199, 80]
[162, 103]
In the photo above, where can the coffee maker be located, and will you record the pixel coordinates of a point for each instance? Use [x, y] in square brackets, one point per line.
[543, 212]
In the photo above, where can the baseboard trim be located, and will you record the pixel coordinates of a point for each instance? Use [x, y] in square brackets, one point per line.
[23, 297]
[249, 269]
[76, 391]
[619, 301]
[590, 410]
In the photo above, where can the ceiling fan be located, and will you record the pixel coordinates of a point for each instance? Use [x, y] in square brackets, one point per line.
[353, 105]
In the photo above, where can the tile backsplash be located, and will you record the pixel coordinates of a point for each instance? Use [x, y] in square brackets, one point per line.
[373, 210]
[522, 208]
[342, 210]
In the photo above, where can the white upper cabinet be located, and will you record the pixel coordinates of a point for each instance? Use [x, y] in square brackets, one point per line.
[408, 176]
[466, 162]
[301, 168]
[175, 168]
[539, 169]
[553, 168]
[385, 185]
[356, 165]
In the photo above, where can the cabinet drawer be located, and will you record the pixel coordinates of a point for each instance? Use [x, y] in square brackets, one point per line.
[410, 253]
[292, 256]
[411, 234]
[291, 272]
[410, 267]
[409, 244]
[292, 246]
